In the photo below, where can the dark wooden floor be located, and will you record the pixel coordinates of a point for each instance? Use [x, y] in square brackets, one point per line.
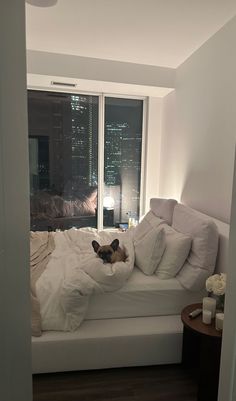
[154, 383]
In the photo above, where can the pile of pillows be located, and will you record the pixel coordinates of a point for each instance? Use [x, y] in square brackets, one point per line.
[174, 240]
[159, 248]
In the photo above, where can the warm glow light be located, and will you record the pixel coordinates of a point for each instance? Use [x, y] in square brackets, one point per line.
[108, 202]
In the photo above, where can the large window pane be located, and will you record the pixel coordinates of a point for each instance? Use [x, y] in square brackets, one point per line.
[63, 143]
[122, 159]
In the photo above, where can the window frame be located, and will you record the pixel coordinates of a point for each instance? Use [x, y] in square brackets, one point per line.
[101, 135]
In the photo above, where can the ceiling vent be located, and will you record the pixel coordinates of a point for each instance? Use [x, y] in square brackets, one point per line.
[68, 84]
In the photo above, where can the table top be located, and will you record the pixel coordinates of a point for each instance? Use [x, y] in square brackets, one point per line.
[196, 324]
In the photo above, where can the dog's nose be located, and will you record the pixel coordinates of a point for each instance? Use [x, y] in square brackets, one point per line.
[106, 258]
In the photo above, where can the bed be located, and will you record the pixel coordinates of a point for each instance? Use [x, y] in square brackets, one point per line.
[139, 324]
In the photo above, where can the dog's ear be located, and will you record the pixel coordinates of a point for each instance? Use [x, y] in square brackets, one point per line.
[115, 244]
[95, 246]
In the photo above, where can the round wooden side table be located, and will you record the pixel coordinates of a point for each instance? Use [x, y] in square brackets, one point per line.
[201, 352]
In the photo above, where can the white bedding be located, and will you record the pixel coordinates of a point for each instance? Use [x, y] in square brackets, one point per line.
[142, 295]
[111, 335]
[74, 272]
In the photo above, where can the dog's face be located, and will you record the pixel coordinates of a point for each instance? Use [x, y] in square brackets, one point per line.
[107, 252]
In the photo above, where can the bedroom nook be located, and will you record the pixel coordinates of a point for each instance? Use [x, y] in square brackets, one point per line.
[117, 200]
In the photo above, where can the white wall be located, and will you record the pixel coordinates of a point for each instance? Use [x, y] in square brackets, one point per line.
[64, 65]
[199, 128]
[15, 345]
[227, 382]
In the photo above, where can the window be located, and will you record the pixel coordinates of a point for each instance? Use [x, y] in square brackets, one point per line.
[122, 158]
[63, 152]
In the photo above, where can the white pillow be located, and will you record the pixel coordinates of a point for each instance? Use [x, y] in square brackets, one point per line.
[204, 233]
[163, 208]
[202, 257]
[149, 250]
[177, 249]
[149, 222]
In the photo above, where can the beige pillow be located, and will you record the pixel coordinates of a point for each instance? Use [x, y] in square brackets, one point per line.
[176, 252]
[149, 250]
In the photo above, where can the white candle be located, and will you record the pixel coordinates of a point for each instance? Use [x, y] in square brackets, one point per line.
[206, 316]
[209, 304]
[219, 321]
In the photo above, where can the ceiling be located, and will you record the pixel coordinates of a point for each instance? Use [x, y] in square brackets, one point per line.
[154, 32]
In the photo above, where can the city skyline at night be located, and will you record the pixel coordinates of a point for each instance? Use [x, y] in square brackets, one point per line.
[63, 131]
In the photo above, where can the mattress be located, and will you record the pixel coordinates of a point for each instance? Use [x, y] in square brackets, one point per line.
[142, 296]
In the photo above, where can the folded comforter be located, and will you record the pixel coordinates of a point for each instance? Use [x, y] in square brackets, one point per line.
[74, 272]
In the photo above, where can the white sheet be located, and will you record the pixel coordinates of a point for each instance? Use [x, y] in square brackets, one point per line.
[142, 295]
[74, 272]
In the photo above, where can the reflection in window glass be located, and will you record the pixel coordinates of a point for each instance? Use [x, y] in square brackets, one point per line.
[122, 159]
[63, 143]
[39, 163]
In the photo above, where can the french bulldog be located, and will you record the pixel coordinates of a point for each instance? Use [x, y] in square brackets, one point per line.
[109, 253]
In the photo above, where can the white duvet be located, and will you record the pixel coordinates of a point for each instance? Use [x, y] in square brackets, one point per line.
[74, 272]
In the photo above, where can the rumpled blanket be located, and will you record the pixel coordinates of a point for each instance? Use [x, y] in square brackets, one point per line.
[41, 247]
[74, 272]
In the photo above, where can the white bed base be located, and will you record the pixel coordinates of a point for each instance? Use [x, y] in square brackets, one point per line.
[110, 343]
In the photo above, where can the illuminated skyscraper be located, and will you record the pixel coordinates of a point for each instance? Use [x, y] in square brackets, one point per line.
[83, 140]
